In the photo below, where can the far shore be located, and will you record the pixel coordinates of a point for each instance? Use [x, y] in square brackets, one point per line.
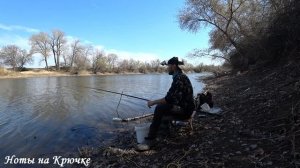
[45, 73]
[9, 74]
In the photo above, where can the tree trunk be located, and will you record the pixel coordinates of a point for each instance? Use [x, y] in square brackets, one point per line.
[65, 60]
[54, 56]
[46, 64]
[72, 60]
[58, 66]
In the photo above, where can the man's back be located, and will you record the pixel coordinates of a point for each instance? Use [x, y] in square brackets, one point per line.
[181, 93]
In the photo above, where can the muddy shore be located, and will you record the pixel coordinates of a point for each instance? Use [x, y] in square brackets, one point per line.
[258, 127]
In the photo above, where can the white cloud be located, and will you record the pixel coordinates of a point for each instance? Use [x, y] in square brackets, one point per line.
[18, 28]
[122, 55]
[16, 40]
[99, 47]
[139, 56]
[70, 39]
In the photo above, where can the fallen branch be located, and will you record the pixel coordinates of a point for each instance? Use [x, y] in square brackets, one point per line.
[132, 118]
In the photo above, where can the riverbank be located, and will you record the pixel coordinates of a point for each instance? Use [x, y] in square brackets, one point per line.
[7, 74]
[259, 127]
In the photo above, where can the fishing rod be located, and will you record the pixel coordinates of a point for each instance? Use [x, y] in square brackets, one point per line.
[118, 118]
[109, 91]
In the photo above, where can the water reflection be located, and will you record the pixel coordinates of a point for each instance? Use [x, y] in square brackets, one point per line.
[58, 114]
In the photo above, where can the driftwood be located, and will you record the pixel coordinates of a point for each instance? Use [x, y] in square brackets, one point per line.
[118, 151]
[132, 118]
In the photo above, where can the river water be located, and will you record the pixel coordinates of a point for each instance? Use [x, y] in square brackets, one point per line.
[56, 115]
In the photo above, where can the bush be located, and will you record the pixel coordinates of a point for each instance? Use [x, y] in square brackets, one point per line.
[283, 37]
[3, 71]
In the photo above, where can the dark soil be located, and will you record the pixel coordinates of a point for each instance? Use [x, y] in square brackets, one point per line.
[258, 127]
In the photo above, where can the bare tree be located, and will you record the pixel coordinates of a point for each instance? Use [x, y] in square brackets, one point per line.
[87, 53]
[231, 20]
[83, 55]
[40, 43]
[25, 58]
[132, 66]
[217, 13]
[57, 41]
[155, 64]
[207, 53]
[15, 57]
[98, 61]
[188, 67]
[76, 51]
[9, 55]
[123, 65]
[111, 60]
[65, 53]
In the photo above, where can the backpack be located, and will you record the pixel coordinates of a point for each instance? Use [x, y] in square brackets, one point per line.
[202, 98]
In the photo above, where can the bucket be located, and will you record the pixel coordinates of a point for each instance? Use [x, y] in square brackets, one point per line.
[205, 107]
[142, 132]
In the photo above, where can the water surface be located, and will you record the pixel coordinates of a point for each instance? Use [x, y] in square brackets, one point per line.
[56, 115]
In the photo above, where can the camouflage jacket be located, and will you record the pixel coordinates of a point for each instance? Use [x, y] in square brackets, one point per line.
[181, 93]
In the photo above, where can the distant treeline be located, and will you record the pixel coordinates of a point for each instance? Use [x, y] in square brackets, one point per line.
[74, 56]
[246, 34]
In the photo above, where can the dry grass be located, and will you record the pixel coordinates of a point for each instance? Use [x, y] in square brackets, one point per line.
[3, 71]
[6, 74]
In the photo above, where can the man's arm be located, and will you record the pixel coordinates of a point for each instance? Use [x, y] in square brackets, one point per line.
[158, 101]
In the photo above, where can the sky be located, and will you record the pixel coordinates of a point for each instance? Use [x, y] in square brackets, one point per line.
[139, 29]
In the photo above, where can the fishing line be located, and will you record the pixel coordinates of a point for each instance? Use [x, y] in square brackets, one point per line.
[119, 105]
[131, 96]
[109, 91]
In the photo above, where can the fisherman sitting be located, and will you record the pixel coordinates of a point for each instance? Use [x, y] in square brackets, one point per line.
[178, 102]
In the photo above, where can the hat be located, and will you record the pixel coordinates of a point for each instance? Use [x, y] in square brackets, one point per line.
[172, 61]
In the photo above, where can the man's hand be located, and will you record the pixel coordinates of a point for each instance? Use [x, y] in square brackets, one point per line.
[158, 101]
[150, 103]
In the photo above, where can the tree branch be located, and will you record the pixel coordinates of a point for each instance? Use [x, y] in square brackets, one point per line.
[205, 53]
[223, 31]
[238, 6]
[230, 17]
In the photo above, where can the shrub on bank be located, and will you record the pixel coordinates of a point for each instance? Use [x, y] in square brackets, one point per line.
[276, 45]
[3, 71]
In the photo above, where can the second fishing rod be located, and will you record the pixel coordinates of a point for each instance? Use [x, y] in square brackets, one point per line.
[109, 91]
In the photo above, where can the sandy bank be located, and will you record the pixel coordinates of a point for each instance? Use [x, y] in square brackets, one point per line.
[43, 73]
